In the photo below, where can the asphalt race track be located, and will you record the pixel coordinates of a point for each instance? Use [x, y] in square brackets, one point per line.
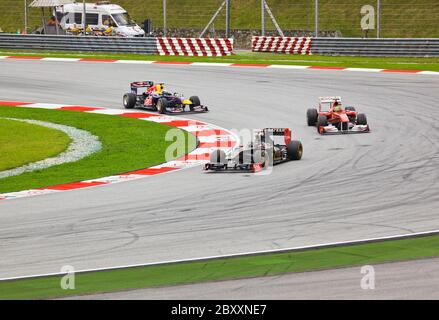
[345, 187]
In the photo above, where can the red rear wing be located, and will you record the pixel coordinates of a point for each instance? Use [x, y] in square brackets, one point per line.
[279, 132]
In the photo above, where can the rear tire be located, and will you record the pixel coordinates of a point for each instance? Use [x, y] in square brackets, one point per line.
[294, 150]
[361, 119]
[162, 103]
[350, 109]
[129, 100]
[311, 117]
[195, 101]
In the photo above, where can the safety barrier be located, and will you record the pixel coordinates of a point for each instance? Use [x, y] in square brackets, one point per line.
[224, 47]
[207, 47]
[288, 45]
[348, 46]
[376, 47]
[79, 43]
[148, 45]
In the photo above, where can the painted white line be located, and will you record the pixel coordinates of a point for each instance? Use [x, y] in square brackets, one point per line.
[44, 106]
[281, 66]
[433, 73]
[181, 164]
[211, 64]
[61, 59]
[250, 253]
[192, 128]
[162, 119]
[112, 112]
[26, 193]
[134, 61]
[363, 69]
[220, 64]
[117, 178]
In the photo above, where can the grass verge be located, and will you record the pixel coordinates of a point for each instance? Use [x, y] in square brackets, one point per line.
[127, 144]
[224, 268]
[396, 63]
[22, 143]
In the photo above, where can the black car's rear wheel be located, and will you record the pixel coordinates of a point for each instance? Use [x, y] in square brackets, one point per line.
[218, 157]
[294, 150]
[129, 100]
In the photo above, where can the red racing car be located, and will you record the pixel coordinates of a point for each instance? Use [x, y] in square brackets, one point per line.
[331, 117]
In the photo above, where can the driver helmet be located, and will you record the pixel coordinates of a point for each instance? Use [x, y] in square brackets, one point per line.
[337, 106]
[159, 88]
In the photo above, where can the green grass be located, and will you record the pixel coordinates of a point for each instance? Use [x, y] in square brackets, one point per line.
[224, 268]
[427, 64]
[22, 143]
[127, 144]
[399, 18]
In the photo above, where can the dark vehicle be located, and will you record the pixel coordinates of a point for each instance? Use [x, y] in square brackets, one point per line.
[147, 95]
[270, 146]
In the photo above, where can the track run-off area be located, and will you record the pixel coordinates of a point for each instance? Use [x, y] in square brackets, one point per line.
[345, 187]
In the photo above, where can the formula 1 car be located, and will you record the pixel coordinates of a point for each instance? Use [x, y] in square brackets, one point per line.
[332, 118]
[269, 146]
[147, 95]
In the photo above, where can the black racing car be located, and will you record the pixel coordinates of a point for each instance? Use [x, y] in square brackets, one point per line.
[147, 95]
[270, 146]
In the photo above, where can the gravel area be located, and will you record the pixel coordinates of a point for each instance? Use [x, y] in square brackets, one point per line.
[83, 144]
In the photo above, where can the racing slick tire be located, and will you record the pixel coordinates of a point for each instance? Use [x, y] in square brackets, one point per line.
[162, 104]
[350, 109]
[311, 117]
[294, 150]
[195, 101]
[361, 119]
[322, 121]
[218, 157]
[129, 100]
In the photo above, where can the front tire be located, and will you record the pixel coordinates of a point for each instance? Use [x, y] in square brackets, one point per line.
[195, 101]
[322, 121]
[361, 119]
[129, 100]
[294, 150]
[311, 117]
[162, 104]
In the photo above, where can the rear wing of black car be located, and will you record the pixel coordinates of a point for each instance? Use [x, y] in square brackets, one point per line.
[276, 133]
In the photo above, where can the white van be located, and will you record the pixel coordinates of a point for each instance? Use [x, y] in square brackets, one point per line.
[99, 15]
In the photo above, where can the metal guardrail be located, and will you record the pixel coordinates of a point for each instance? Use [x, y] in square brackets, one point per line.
[376, 47]
[146, 45]
[325, 46]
